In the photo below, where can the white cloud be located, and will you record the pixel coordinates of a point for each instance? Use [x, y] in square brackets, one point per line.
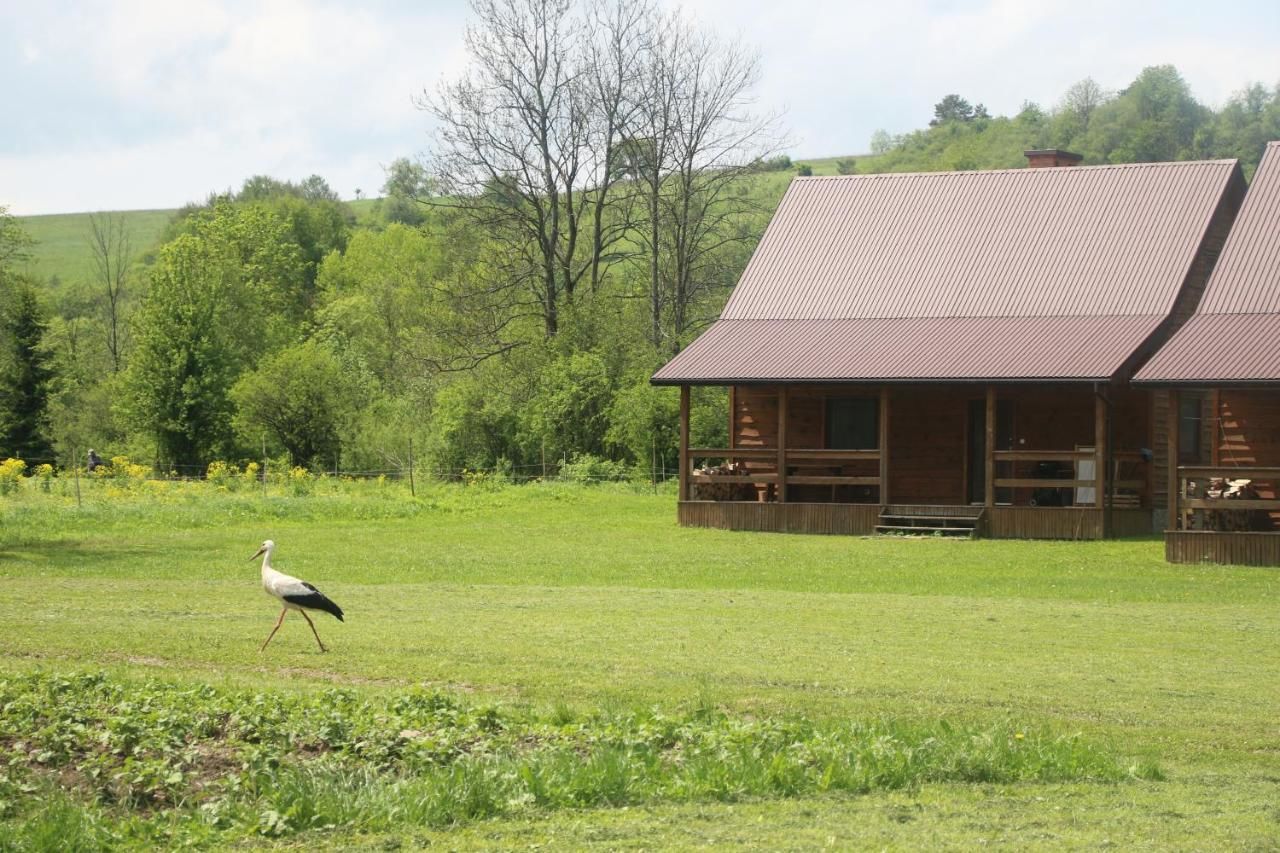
[143, 103]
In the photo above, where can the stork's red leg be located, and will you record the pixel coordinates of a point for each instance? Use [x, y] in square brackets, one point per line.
[313, 629]
[279, 622]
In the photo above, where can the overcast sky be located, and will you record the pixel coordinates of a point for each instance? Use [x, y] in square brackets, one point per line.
[153, 103]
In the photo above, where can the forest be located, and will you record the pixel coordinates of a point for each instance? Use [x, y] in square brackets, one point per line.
[592, 190]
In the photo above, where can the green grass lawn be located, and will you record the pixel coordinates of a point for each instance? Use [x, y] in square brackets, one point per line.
[555, 596]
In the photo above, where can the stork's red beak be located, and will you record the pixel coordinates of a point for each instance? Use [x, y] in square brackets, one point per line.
[257, 554]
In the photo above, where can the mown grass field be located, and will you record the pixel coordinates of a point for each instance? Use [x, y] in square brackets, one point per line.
[62, 242]
[557, 600]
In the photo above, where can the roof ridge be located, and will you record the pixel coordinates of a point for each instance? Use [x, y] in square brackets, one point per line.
[1027, 170]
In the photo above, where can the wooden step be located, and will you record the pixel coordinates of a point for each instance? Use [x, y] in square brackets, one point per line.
[948, 521]
[897, 520]
[916, 530]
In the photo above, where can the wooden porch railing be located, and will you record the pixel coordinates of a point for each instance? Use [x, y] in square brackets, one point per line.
[1182, 505]
[783, 460]
[812, 457]
[1072, 456]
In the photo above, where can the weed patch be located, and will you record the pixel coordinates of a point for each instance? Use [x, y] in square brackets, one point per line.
[273, 764]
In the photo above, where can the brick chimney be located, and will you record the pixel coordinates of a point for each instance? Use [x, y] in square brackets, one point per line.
[1046, 158]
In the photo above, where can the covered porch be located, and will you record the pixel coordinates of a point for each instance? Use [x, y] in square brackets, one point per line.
[1226, 509]
[1060, 461]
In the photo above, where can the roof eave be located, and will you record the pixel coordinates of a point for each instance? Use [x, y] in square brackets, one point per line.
[879, 380]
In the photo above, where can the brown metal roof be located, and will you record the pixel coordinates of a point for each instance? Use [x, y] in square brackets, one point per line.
[1233, 335]
[910, 349]
[1219, 349]
[1100, 251]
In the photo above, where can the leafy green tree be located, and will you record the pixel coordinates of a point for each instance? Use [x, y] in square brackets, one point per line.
[406, 186]
[186, 356]
[568, 412]
[644, 422]
[218, 300]
[15, 242]
[316, 188]
[1244, 126]
[26, 388]
[304, 398]
[271, 276]
[473, 421]
[951, 108]
[377, 298]
[882, 142]
[318, 228]
[1155, 119]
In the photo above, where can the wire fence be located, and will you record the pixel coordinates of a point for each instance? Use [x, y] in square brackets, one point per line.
[583, 469]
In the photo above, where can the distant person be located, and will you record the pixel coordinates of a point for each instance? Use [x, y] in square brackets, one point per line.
[94, 460]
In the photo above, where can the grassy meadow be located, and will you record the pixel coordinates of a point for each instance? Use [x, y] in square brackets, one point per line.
[575, 669]
[62, 242]
[61, 249]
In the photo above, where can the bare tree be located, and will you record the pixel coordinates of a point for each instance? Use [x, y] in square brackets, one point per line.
[1082, 99]
[618, 39]
[581, 132]
[697, 138]
[647, 152]
[511, 138]
[112, 251]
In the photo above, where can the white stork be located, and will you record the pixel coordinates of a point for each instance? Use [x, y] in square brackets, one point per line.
[294, 594]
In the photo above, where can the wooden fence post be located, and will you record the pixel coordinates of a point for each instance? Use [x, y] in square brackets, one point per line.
[413, 492]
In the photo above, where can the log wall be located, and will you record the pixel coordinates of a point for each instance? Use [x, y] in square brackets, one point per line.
[928, 431]
[927, 441]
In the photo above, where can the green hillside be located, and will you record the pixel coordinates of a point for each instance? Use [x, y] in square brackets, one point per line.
[62, 241]
[61, 252]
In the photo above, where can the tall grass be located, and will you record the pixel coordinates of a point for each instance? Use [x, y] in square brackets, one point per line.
[275, 764]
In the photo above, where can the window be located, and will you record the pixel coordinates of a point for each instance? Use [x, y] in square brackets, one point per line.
[853, 423]
[1189, 414]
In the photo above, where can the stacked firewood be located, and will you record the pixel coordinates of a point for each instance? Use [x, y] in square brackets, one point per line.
[1229, 520]
[710, 491]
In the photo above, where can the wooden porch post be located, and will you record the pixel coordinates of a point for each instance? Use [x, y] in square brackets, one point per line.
[683, 473]
[1173, 418]
[884, 444]
[989, 498]
[783, 399]
[1099, 450]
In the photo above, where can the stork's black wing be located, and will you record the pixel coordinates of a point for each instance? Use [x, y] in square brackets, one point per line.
[314, 599]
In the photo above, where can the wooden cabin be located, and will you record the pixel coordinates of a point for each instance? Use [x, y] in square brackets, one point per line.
[1225, 362]
[951, 352]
